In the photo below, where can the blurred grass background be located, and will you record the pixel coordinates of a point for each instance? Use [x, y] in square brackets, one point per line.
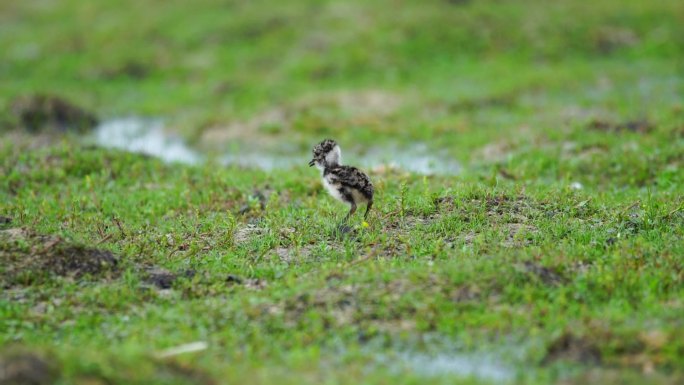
[464, 71]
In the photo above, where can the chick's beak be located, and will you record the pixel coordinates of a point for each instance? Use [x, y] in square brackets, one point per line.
[312, 162]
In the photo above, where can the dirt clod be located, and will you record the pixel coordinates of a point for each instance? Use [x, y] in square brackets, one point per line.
[79, 261]
[165, 279]
[161, 278]
[29, 257]
[234, 279]
[47, 112]
[26, 369]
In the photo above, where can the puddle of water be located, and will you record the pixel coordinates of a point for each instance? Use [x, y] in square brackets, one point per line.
[430, 356]
[418, 158]
[463, 365]
[264, 161]
[148, 136]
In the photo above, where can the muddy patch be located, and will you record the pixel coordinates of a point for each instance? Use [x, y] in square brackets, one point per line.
[466, 293]
[547, 275]
[284, 255]
[78, 261]
[261, 126]
[573, 150]
[569, 347]
[28, 257]
[37, 113]
[248, 232]
[249, 283]
[27, 369]
[495, 152]
[164, 279]
[518, 235]
[609, 39]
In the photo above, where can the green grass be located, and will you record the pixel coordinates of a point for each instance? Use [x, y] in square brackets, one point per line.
[509, 259]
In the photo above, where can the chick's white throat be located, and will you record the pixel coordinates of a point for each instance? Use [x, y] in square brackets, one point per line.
[334, 157]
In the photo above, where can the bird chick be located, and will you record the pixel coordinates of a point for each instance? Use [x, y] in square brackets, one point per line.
[345, 183]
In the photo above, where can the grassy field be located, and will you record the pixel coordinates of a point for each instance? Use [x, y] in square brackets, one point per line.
[554, 255]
